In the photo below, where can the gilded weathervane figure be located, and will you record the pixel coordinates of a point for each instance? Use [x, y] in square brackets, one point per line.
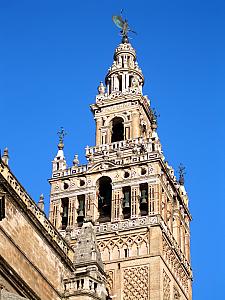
[62, 133]
[123, 25]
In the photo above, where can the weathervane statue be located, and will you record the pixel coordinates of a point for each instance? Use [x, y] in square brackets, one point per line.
[62, 133]
[123, 25]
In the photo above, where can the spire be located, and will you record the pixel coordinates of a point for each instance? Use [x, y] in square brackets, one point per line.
[87, 248]
[41, 204]
[5, 156]
[89, 278]
[59, 162]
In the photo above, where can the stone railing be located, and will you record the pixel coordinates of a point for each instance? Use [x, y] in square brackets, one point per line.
[142, 148]
[31, 205]
[84, 285]
[70, 171]
[121, 145]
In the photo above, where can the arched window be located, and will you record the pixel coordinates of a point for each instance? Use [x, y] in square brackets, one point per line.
[144, 199]
[126, 202]
[65, 208]
[117, 129]
[104, 185]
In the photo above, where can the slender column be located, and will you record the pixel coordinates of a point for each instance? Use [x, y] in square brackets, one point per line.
[72, 212]
[117, 204]
[95, 213]
[123, 82]
[169, 214]
[153, 199]
[116, 83]
[98, 131]
[135, 125]
[135, 210]
[176, 228]
[187, 246]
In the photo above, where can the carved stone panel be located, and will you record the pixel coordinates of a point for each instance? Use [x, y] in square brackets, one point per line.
[136, 283]
[166, 286]
[124, 246]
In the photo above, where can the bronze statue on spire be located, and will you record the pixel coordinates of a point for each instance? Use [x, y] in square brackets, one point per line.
[123, 25]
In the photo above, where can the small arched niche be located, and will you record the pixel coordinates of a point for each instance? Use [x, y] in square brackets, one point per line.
[117, 129]
[104, 192]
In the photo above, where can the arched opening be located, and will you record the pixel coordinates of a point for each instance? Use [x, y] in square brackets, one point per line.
[64, 214]
[104, 193]
[126, 202]
[80, 210]
[117, 129]
[144, 199]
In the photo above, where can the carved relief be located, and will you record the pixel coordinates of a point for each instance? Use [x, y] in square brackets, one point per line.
[136, 283]
[110, 281]
[175, 266]
[124, 246]
[176, 294]
[166, 286]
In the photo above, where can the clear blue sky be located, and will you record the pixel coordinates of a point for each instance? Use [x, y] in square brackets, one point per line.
[53, 55]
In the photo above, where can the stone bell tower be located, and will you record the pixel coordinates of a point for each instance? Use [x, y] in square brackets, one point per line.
[129, 192]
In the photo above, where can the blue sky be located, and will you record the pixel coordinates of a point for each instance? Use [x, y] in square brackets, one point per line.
[53, 55]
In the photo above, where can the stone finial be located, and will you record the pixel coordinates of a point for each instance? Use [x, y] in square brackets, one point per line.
[41, 204]
[101, 88]
[76, 160]
[5, 156]
[181, 174]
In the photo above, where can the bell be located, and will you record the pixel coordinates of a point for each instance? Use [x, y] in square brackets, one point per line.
[126, 202]
[65, 212]
[143, 197]
[81, 213]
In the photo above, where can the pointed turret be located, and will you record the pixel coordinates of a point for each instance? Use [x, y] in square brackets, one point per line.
[59, 162]
[89, 278]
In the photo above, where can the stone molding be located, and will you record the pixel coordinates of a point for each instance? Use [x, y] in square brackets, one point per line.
[37, 215]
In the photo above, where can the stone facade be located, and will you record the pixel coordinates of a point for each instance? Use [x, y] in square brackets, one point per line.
[139, 208]
[119, 225]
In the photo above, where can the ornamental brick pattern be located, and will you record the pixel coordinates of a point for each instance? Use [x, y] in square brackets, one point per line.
[136, 283]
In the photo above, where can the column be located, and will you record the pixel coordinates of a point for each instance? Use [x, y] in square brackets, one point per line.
[153, 199]
[176, 228]
[135, 197]
[187, 246]
[135, 125]
[72, 212]
[98, 131]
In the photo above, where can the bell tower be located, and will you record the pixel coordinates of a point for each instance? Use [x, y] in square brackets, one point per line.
[129, 192]
[121, 111]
